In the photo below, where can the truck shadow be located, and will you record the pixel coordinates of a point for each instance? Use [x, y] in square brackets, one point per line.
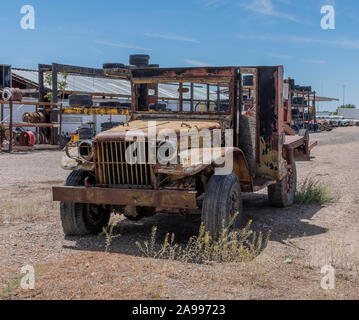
[280, 223]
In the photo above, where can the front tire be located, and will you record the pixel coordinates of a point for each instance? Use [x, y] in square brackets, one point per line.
[282, 193]
[223, 205]
[79, 219]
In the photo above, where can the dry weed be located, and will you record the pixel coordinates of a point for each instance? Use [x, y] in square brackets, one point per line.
[312, 191]
[230, 246]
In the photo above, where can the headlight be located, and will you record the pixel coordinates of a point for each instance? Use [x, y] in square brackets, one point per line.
[86, 150]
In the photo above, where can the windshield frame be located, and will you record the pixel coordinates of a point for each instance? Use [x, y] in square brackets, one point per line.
[144, 80]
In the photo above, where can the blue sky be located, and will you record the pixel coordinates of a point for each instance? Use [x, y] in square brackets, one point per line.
[193, 33]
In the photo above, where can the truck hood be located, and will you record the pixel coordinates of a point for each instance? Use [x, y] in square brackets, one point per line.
[179, 126]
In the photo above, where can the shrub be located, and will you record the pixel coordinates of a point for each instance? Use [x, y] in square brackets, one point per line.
[231, 246]
[312, 191]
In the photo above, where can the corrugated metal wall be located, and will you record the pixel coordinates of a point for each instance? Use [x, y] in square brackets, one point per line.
[349, 113]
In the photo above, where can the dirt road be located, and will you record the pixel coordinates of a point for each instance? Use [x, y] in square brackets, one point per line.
[305, 237]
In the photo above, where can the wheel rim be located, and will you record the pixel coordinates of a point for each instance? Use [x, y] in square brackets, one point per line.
[94, 214]
[290, 179]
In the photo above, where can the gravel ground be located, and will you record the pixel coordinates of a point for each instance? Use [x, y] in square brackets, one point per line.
[309, 236]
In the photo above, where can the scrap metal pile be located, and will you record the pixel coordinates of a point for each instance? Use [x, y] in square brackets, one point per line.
[17, 133]
[11, 94]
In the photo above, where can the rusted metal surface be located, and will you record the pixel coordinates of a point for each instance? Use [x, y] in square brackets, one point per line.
[46, 108]
[111, 167]
[241, 170]
[271, 161]
[33, 103]
[1, 129]
[96, 111]
[11, 94]
[34, 117]
[179, 126]
[197, 75]
[262, 183]
[29, 125]
[176, 186]
[298, 148]
[130, 197]
[294, 141]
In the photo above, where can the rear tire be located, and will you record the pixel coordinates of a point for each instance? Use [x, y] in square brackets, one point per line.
[80, 219]
[223, 200]
[282, 193]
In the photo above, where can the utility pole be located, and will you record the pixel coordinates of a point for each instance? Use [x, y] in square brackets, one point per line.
[344, 86]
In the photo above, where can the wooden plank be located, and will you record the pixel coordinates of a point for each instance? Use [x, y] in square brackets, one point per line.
[96, 111]
[293, 141]
[31, 103]
[30, 125]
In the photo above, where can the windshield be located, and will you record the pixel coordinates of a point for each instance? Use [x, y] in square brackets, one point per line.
[183, 97]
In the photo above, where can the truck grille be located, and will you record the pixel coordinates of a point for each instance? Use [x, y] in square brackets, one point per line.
[112, 168]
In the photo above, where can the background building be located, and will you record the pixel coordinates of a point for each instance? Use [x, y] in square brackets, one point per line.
[349, 113]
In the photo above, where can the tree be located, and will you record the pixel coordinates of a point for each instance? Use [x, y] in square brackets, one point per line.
[348, 106]
[61, 85]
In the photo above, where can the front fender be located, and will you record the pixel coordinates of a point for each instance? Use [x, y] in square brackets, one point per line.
[195, 161]
[240, 166]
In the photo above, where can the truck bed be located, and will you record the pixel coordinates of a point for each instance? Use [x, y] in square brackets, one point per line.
[301, 147]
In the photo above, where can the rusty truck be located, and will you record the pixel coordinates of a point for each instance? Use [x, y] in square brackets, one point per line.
[104, 182]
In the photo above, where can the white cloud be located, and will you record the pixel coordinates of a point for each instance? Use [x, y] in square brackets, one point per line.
[215, 3]
[196, 63]
[314, 61]
[170, 37]
[267, 8]
[349, 44]
[278, 56]
[122, 45]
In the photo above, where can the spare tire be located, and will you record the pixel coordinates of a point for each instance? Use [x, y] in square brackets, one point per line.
[113, 65]
[80, 100]
[139, 59]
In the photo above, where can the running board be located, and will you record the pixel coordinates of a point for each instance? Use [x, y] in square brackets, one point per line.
[262, 183]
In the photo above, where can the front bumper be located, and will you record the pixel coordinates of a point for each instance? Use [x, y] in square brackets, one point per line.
[166, 199]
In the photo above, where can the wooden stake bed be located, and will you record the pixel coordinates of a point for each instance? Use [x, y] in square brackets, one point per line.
[96, 111]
